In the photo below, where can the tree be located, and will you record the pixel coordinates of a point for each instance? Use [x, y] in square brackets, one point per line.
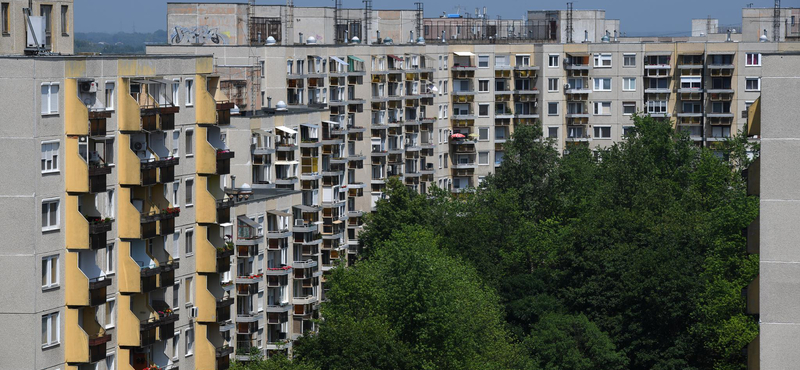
[418, 302]
[277, 362]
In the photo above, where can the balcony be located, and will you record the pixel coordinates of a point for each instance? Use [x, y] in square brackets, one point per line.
[133, 311]
[209, 293]
[85, 285]
[310, 263]
[85, 339]
[213, 156]
[250, 279]
[138, 270]
[84, 176]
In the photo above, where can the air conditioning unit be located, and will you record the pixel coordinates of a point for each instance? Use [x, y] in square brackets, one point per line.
[567, 86]
[137, 146]
[88, 87]
[299, 223]
[193, 312]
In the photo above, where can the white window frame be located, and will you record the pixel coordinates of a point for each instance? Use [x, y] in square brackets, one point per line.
[49, 101]
[487, 105]
[553, 60]
[487, 85]
[756, 79]
[624, 59]
[109, 262]
[552, 128]
[57, 226]
[487, 158]
[176, 244]
[189, 83]
[599, 86]
[601, 127]
[600, 108]
[747, 62]
[488, 61]
[49, 155]
[482, 130]
[189, 233]
[113, 303]
[176, 143]
[601, 59]
[176, 95]
[189, 192]
[176, 348]
[176, 193]
[53, 339]
[188, 333]
[627, 104]
[550, 82]
[110, 99]
[51, 272]
[626, 82]
[625, 128]
[549, 104]
[189, 153]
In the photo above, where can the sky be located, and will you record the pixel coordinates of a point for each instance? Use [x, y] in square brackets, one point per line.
[637, 17]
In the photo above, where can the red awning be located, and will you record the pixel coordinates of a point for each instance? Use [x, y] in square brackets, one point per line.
[395, 57]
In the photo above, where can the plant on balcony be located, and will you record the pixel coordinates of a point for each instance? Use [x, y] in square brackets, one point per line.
[171, 211]
[165, 312]
[226, 284]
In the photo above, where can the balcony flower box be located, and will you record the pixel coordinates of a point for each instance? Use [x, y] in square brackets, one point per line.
[224, 154]
[97, 169]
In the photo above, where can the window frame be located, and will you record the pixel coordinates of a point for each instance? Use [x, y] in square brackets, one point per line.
[5, 18]
[598, 108]
[748, 60]
[110, 267]
[53, 339]
[551, 81]
[625, 57]
[50, 272]
[55, 167]
[553, 104]
[549, 131]
[487, 85]
[188, 333]
[113, 303]
[600, 88]
[188, 242]
[488, 60]
[749, 79]
[188, 138]
[553, 60]
[625, 84]
[483, 130]
[601, 127]
[189, 85]
[57, 225]
[64, 20]
[628, 104]
[600, 60]
[481, 106]
[188, 190]
[50, 111]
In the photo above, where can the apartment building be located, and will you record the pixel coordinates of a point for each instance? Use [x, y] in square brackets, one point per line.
[53, 18]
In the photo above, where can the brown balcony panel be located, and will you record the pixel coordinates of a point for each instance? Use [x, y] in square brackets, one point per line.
[97, 347]
[223, 314]
[221, 155]
[166, 170]
[223, 167]
[97, 123]
[167, 226]
[167, 278]
[97, 177]
[224, 352]
[97, 290]
[223, 265]
[224, 113]
[148, 336]
[149, 120]
[226, 302]
[148, 227]
[167, 121]
[148, 174]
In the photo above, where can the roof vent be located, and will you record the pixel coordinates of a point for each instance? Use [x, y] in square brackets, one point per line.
[388, 41]
[420, 40]
[764, 37]
[311, 40]
[281, 106]
[271, 40]
[355, 40]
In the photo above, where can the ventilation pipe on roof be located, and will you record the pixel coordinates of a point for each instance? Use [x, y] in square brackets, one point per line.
[615, 36]
[444, 39]
[378, 38]
[586, 36]
[411, 37]
[301, 38]
[764, 37]
[729, 36]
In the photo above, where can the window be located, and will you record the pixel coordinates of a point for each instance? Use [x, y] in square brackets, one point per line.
[552, 60]
[50, 215]
[187, 292]
[261, 301]
[552, 108]
[440, 161]
[629, 60]
[176, 291]
[627, 131]
[109, 151]
[483, 158]
[446, 58]
[176, 143]
[628, 108]
[602, 108]
[602, 60]
[752, 84]
[50, 98]
[691, 82]
[483, 61]
[189, 333]
[523, 60]
[188, 191]
[657, 106]
[46, 11]
[109, 95]
[189, 92]
[720, 131]
[110, 363]
[51, 329]
[602, 84]
[176, 199]
[552, 84]
[483, 110]
[176, 88]
[483, 133]
[111, 313]
[189, 142]
[629, 84]
[50, 272]
[483, 85]
[501, 61]
[440, 62]
[446, 161]
[189, 245]
[552, 132]
[109, 211]
[176, 340]
[176, 244]
[753, 60]
[64, 18]
[602, 132]
[110, 259]
[50, 157]
[5, 19]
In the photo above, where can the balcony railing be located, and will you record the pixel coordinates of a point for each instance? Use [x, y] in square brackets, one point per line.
[97, 177]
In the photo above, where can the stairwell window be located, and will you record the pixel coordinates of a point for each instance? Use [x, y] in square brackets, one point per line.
[50, 215]
[189, 92]
[752, 84]
[111, 313]
[189, 244]
[46, 11]
[51, 330]
[752, 60]
[552, 108]
[109, 95]
[110, 259]
[64, 20]
[602, 108]
[176, 88]
[189, 189]
[552, 84]
[629, 60]
[552, 61]
[49, 98]
[602, 60]
[189, 333]
[629, 84]
[189, 142]
[50, 272]
[483, 61]
[187, 292]
[50, 156]
[5, 19]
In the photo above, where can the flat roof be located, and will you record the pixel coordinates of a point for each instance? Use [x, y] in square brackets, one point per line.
[108, 56]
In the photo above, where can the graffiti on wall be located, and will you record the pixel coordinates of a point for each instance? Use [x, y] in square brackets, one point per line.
[197, 35]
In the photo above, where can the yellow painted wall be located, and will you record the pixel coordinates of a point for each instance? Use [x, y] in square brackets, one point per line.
[204, 351]
[129, 278]
[128, 112]
[205, 107]
[206, 204]
[205, 154]
[76, 115]
[128, 164]
[129, 218]
[127, 325]
[76, 226]
[76, 282]
[754, 118]
[206, 254]
[76, 341]
[206, 301]
[76, 169]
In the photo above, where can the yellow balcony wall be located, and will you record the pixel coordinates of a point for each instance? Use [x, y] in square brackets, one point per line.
[123, 359]
[129, 218]
[128, 111]
[208, 292]
[205, 107]
[77, 226]
[207, 340]
[129, 280]
[77, 171]
[76, 115]
[128, 164]
[206, 255]
[754, 118]
[76, 341]
[131, 310]
[206, 154]
[77, 284]
[208, 192]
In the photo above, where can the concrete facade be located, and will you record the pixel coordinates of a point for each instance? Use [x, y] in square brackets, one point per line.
[14, 29]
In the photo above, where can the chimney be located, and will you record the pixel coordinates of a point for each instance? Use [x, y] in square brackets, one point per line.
[615, 36]
[379, 36]
[444, 39]
[729, 36]
[586, 36]
[346, 36]
[269, 102]
[411, 37]
[301, 38]
[233, 181]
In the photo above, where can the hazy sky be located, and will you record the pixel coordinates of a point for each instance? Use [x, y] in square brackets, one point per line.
[638, 17]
